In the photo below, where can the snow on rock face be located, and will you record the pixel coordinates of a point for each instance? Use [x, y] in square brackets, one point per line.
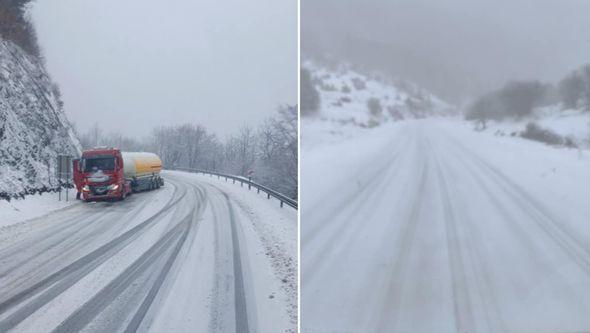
[33, 126]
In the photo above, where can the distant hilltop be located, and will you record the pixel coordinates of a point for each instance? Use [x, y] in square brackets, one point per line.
[337, 92]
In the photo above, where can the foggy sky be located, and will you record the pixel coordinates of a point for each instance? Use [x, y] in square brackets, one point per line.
[456, 48]
[135, 64]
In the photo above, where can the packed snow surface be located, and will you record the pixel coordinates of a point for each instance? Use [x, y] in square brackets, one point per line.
[33, 206]
[198, 255]
[430, 226]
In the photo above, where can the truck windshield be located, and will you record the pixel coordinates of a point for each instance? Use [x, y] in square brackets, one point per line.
[99, 163]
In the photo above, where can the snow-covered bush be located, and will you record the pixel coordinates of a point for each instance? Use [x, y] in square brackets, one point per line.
[374, 106]
[359, 84]
[537, 133]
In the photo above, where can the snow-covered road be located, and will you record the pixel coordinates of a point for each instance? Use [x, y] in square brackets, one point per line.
[197, 255]
[428, 226]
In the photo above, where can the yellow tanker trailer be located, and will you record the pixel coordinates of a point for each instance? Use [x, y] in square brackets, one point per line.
[143, 170]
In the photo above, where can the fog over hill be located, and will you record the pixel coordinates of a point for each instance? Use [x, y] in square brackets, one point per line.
[458, 48]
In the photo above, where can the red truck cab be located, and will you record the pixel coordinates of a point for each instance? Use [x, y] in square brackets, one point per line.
[98, 175]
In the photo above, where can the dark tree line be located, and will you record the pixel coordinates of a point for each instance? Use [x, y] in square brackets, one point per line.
[574, 89]
[270, 150]
[518, 99]
[16, 25]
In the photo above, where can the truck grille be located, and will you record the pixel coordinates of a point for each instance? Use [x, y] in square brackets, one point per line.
[99, 190]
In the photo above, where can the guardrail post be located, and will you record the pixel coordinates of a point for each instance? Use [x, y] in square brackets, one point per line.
[258, 188]
[249, 186]
[281, 203]
[241, 183]
[268, 195]
[234, 181]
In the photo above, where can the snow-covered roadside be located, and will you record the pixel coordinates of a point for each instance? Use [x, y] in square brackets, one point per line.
[573, 124]
[32, 206]
[558, 175]
[271, 243]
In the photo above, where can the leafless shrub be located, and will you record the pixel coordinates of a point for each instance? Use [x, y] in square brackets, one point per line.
[374, 106]
[537, 133]
[359, 84]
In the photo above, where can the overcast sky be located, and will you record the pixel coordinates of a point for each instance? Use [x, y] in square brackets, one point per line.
[135, 64]
[456, 48]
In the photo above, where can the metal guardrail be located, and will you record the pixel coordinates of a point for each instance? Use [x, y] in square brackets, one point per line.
[269, 192]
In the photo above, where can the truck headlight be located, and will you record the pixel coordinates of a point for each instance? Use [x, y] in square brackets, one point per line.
[85, 188]
[113, 187]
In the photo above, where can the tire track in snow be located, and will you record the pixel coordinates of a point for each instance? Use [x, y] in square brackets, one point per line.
[389, 314]
[228, 263]
[329, 245]
[379, 183]
[551, 226]
[462, 305]
[172, 241]
[485, 288]
[239, 290]
[342, 205]
[56, 283]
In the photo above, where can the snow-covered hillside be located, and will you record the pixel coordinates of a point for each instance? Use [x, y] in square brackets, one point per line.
[351, 101]
[33, 125]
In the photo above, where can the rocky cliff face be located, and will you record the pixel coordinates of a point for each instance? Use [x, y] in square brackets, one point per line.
[33, 125]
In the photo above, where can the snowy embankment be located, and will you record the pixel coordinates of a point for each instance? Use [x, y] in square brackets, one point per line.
[572, 124]
[428, 225]
[33, 206]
